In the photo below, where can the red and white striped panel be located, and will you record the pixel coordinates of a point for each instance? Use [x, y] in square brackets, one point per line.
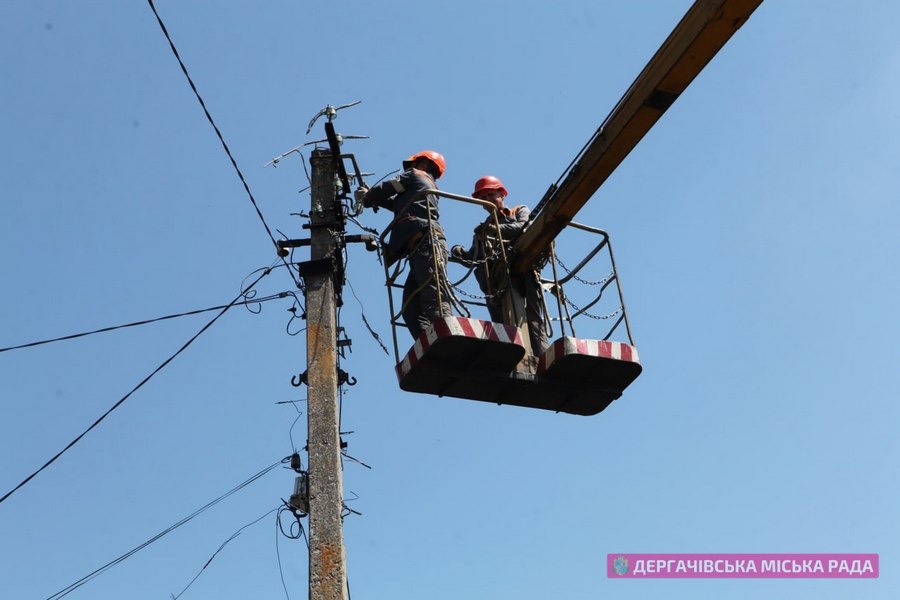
[600, 348]
[457, 326]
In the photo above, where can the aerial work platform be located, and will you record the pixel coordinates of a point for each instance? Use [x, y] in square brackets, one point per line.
[594, 372]
[461, 357]
[480, 360]
[464, 357]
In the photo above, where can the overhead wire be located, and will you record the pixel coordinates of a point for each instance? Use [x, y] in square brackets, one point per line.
[301, 532]
[215, 127]
[280, 529]
[362, 313]
[134, 389]
[73, 586]
[278, 554]
[233, 535]
[291, 430]
[250, 301]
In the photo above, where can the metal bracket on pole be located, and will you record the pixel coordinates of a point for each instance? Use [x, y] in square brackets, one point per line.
[335, 148]
[344, 377]
[370, 241]
[301, 379]
[282, 246]
[315, 267]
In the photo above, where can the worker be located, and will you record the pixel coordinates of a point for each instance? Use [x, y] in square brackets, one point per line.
[425, 293]
[485, 259]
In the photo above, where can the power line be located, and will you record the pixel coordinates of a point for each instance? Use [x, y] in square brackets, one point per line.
[362, 313]
[73, 586]
[233, 535]
[146, 322]
[218, 134]
[135, 388]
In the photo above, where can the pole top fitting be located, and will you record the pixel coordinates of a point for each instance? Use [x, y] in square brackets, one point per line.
[330, 113]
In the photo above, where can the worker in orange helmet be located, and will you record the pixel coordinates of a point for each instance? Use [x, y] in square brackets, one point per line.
[512, 222]
[416, 235]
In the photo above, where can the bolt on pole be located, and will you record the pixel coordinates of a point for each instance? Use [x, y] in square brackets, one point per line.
[327, 558]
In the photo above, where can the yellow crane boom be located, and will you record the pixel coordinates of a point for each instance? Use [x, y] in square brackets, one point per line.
[700, 34]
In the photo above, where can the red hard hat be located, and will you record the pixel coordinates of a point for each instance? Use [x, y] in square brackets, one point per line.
[489, 182]
[431, 155]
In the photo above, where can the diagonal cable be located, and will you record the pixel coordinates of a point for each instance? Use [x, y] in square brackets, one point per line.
[73, 586]
[362, 313]
[145, 322]
[135, 388]
[225, 543]
[218, 134]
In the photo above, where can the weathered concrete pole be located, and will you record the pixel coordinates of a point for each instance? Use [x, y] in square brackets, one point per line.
[327, 559]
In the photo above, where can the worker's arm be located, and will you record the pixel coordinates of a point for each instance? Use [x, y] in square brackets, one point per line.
[511, 231]
[395, 193]
[461, 255]
[383, 194]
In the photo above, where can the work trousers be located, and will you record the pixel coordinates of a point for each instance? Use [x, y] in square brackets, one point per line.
[421, 306]
[529, 287]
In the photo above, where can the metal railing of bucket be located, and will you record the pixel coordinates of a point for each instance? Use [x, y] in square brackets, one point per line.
[394, 266]
[564, 304]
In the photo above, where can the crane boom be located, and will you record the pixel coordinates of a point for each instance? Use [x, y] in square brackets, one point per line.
[700, 34]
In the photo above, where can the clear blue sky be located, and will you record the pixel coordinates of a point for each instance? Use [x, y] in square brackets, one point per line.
[755, 229]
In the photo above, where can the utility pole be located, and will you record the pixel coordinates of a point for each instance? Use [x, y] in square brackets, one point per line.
[327, 559]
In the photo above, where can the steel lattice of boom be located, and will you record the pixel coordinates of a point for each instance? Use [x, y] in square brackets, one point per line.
[700, 34]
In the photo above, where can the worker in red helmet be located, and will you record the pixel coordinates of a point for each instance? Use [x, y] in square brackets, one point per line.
[416, 235]
[512, 222]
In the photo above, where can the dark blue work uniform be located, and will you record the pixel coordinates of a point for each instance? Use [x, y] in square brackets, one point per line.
[410, 238]
[512, 222]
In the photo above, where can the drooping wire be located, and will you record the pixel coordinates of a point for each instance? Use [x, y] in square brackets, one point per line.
[135, 388]
[233, 535]
[294, 317]
[291, 430]
[278, 553]
[356, 222]
[148, 321]
[340, 389]
[305, 170]
[362, 313]
[279, 528]
[218, 133]
[301, 532]
[73, 586]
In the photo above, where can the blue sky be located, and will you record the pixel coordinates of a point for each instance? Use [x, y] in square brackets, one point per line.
[755, 233]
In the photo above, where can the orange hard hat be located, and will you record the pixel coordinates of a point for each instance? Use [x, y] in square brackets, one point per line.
[489, 182]
[435, 157]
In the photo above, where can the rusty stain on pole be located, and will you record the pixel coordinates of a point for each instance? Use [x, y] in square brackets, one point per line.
[327, 568]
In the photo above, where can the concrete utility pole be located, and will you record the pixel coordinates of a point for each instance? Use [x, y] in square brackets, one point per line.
[327, 559]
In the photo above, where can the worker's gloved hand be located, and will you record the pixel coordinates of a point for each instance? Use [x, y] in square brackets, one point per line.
[359, 195]
[485, 229]
[457, 253]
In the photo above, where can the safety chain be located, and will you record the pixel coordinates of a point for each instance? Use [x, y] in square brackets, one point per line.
[476, 296]
[479, 261]
[471, 264]
[584, 281]
[589, 315]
